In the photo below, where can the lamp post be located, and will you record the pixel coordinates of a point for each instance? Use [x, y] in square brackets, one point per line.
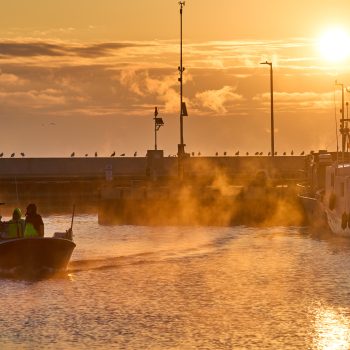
[183, 110]
[272, 117]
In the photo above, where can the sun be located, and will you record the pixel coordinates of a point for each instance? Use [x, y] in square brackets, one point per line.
[334, 45]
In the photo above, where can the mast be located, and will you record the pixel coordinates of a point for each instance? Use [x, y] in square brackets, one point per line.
[344, 130]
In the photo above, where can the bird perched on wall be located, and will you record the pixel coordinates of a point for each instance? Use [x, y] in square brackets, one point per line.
[1, 154]
[302, 153]
[199, 154]
[122, 155]
[256, 153]
[192, 154]
[86, 155]
[275, 153]
[216, 153]
[95, 154]
[135, 154]
[269, 154]
[113, 154]
[12, 155]
[284, 153]
[247, 154]
[237, 153]
[225, 153]
[73, 154]
[292, 153]
[22, 154]
[261, 153]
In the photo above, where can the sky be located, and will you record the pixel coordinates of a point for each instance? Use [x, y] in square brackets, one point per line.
[85, 76]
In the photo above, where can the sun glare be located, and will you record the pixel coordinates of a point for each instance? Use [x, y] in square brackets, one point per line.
[334, 45]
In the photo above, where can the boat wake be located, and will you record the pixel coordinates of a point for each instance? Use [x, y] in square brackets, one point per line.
[169, 254]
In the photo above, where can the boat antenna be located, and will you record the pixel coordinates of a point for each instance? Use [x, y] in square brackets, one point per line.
[343, 131]
[70, 231]
[336, 124]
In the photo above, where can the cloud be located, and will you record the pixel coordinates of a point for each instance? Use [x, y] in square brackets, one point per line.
[33, 98]
[298, 100]
[215, 100]
[10, 79]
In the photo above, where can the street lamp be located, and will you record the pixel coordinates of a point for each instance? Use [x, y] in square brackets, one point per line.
[272, 118]
[183, 109]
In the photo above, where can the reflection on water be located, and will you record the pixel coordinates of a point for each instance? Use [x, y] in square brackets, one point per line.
[332, 331]
[133, 287]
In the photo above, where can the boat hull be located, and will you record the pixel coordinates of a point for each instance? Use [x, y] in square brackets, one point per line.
[35, 256]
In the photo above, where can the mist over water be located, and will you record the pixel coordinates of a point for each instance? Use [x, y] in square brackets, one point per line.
[138, 287]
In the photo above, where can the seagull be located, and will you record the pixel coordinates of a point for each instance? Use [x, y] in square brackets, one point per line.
[192, 154]
[269, 154]
[247, 154]
[122, 155]
[261, 153]
[237, 153]
[86, 155]
[291, 153]
[302, 153]
[216, 153]
[275, 153]
[95, 154]
[1, 154]
[22, 154]
[256, 153]
[12, 155]
[199, 154]
[284, 153]
[73, 154]
[113, 154]
[225, 153]
[135, 154]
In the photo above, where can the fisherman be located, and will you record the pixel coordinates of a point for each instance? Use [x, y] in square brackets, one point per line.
[15, 227]
[34, 225]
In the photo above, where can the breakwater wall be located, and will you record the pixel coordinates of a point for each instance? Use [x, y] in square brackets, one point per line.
[82, 178]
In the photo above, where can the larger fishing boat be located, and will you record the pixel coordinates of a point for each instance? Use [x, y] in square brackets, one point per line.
[327, 199]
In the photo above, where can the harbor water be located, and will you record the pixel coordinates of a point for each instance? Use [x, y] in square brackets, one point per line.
[136, 287]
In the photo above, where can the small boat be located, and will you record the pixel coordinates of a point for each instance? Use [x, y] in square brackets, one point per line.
[36, 256]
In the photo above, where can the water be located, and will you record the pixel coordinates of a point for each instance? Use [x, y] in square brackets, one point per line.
[131, 287]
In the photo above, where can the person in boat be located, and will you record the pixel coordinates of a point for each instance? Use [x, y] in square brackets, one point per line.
[34, 225]
[15, 227]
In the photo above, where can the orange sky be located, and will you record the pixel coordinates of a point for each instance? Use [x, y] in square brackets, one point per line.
[77, 76]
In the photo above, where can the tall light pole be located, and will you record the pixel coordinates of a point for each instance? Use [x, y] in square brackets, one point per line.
[272, 117]
[183, 111]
